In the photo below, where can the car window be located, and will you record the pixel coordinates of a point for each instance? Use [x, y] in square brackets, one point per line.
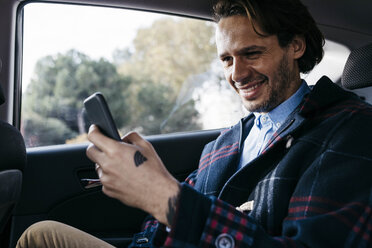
[332, 64]
[159, 73]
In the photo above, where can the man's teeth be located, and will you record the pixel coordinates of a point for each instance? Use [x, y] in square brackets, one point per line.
[253, 87]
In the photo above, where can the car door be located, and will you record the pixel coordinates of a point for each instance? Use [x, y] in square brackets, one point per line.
[53, 188]
[157, 86]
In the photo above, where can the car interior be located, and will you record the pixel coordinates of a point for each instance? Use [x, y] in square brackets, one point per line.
[47, 182]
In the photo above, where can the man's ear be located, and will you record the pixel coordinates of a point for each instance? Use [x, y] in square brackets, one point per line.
[298, 45]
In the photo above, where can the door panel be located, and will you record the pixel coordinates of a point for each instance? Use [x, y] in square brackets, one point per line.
[52, 187]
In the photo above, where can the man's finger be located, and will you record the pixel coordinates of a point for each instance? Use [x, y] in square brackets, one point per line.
[94, 154]
[135, 139]
[100, 140]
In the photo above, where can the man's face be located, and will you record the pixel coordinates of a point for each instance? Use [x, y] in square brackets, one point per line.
[262, 73]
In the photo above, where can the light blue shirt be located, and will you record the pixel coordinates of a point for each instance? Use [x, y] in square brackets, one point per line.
[265, 125]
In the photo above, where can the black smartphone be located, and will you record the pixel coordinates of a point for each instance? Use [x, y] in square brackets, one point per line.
[99, 114]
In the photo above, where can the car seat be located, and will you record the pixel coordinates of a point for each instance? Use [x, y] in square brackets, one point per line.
[358, 69]
[13, 161]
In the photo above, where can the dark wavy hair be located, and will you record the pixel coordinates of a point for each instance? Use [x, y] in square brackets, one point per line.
[283, 18]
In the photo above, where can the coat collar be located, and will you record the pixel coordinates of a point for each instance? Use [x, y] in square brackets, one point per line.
[323, 94]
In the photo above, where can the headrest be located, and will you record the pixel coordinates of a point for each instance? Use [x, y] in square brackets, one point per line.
[2, 97]
[358, 69]
[13, 150]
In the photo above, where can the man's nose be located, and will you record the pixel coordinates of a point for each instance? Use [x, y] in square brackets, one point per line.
[240, 71]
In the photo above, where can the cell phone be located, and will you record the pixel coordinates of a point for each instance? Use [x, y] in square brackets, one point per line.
[99, 114]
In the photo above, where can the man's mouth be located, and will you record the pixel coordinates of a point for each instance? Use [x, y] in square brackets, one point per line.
[251, 86]
[250, 90]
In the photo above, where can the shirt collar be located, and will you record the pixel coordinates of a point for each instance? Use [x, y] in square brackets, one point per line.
[279, 114]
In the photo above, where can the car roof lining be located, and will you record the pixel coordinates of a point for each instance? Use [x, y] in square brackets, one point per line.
[336, 18]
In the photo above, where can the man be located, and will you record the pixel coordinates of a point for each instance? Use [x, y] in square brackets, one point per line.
[290, 174]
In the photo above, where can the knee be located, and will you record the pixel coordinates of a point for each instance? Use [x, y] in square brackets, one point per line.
[37, 234]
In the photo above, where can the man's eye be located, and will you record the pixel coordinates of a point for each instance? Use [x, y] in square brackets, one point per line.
[253, 55]
[226, 60]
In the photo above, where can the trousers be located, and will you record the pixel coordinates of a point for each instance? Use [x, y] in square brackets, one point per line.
[51, 234]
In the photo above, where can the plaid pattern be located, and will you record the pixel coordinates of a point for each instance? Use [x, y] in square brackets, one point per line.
[225, 219]
[212, 157]
[313, 107]
[354, 217]
[150, 224]
[190, 180]
[310, 186]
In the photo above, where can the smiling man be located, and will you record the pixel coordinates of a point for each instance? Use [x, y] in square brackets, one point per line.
[291, 174]
[262, 72]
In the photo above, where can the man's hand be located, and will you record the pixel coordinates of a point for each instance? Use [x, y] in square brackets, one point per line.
[132, 172]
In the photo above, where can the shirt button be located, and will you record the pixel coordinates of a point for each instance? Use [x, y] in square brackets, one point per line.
[289, 141]
[225, 240]
[278, 124]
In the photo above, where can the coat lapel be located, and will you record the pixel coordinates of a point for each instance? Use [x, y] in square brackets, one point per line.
[241, 184]
[313, 102]
[293, 122]
[220, 161]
